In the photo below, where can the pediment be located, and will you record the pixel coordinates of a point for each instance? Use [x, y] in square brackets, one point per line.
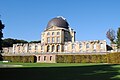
[53, 28]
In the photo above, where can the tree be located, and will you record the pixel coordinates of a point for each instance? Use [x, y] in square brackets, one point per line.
[1, 35]
[111, 35]
[9, 42]
[118, 38]
[35, 41]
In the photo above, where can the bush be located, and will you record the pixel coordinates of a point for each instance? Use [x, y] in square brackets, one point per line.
[96, 58]
[31, 59]
[113, 58]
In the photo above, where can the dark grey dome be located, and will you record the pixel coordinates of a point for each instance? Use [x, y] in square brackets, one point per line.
[58, 21]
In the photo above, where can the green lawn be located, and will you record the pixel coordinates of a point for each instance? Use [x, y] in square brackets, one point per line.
[60, 71]
[48, 64]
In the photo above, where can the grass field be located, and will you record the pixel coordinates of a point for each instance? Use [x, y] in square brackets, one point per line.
[60, 71]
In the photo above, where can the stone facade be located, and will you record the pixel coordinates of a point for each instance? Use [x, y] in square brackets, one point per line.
[79, 47]
[86, 46]
[43, 58]
[8, 50]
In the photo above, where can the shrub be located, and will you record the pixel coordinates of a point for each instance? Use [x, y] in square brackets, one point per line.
[96, 58]
[113, 58]
[31, 59]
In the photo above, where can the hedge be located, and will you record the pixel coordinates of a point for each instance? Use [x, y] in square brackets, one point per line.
[31, 59]
[113, 58]
[81, 58]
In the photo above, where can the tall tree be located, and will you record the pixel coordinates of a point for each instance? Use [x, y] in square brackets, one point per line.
[9, 42]
[35, 41]
[1, 35]
[118, 38]
[111, 35]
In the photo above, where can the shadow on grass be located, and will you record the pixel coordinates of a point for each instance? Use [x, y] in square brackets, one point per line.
[94, 72]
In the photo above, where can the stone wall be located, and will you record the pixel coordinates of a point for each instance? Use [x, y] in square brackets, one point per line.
[46, 58]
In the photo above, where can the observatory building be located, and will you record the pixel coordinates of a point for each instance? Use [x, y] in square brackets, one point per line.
[59, 37]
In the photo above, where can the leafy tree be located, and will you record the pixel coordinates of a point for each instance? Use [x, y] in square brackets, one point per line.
[35, 41]
[1, 35]
[111, 35]
[118, 38]
[9, 42]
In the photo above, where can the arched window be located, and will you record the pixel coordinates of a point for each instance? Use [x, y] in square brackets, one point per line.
[87, 45]
[73, 46]
[58, 48]
[36, 47]
[45, 58]
[58, 33]
[65, 46]
[30, 47]
[58, 39]
[48, 33]
[39, 58]
[23, 48]
[53, 39]
[48, 40]
[53, 48]
[18, 47]
[41, 47]
[53, 33]
[50, 58]
[48, 48]
[94, 46]
[101, 45]
[80, 45]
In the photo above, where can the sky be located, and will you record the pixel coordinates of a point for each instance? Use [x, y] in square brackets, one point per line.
[91, 19]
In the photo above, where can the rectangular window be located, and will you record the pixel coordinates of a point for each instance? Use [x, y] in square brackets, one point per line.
[94, 46]
[50, 58]
[53, 40]
[80, 45]
[23, 48]
[58, 39]
[73, 46]
[101, 46]
[39, 58]
[41, 47]
[87, 45]
[52, 33]
[65, 47]
[44, 58]
[29, 47]
[43, 40]
[58, 33]
[18, 47]
[36, 47]
[48, 40]
[48, 33]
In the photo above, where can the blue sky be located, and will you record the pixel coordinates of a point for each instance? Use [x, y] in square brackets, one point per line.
[26, 19]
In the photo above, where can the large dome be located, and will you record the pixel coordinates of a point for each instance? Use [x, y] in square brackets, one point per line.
[58, 21]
